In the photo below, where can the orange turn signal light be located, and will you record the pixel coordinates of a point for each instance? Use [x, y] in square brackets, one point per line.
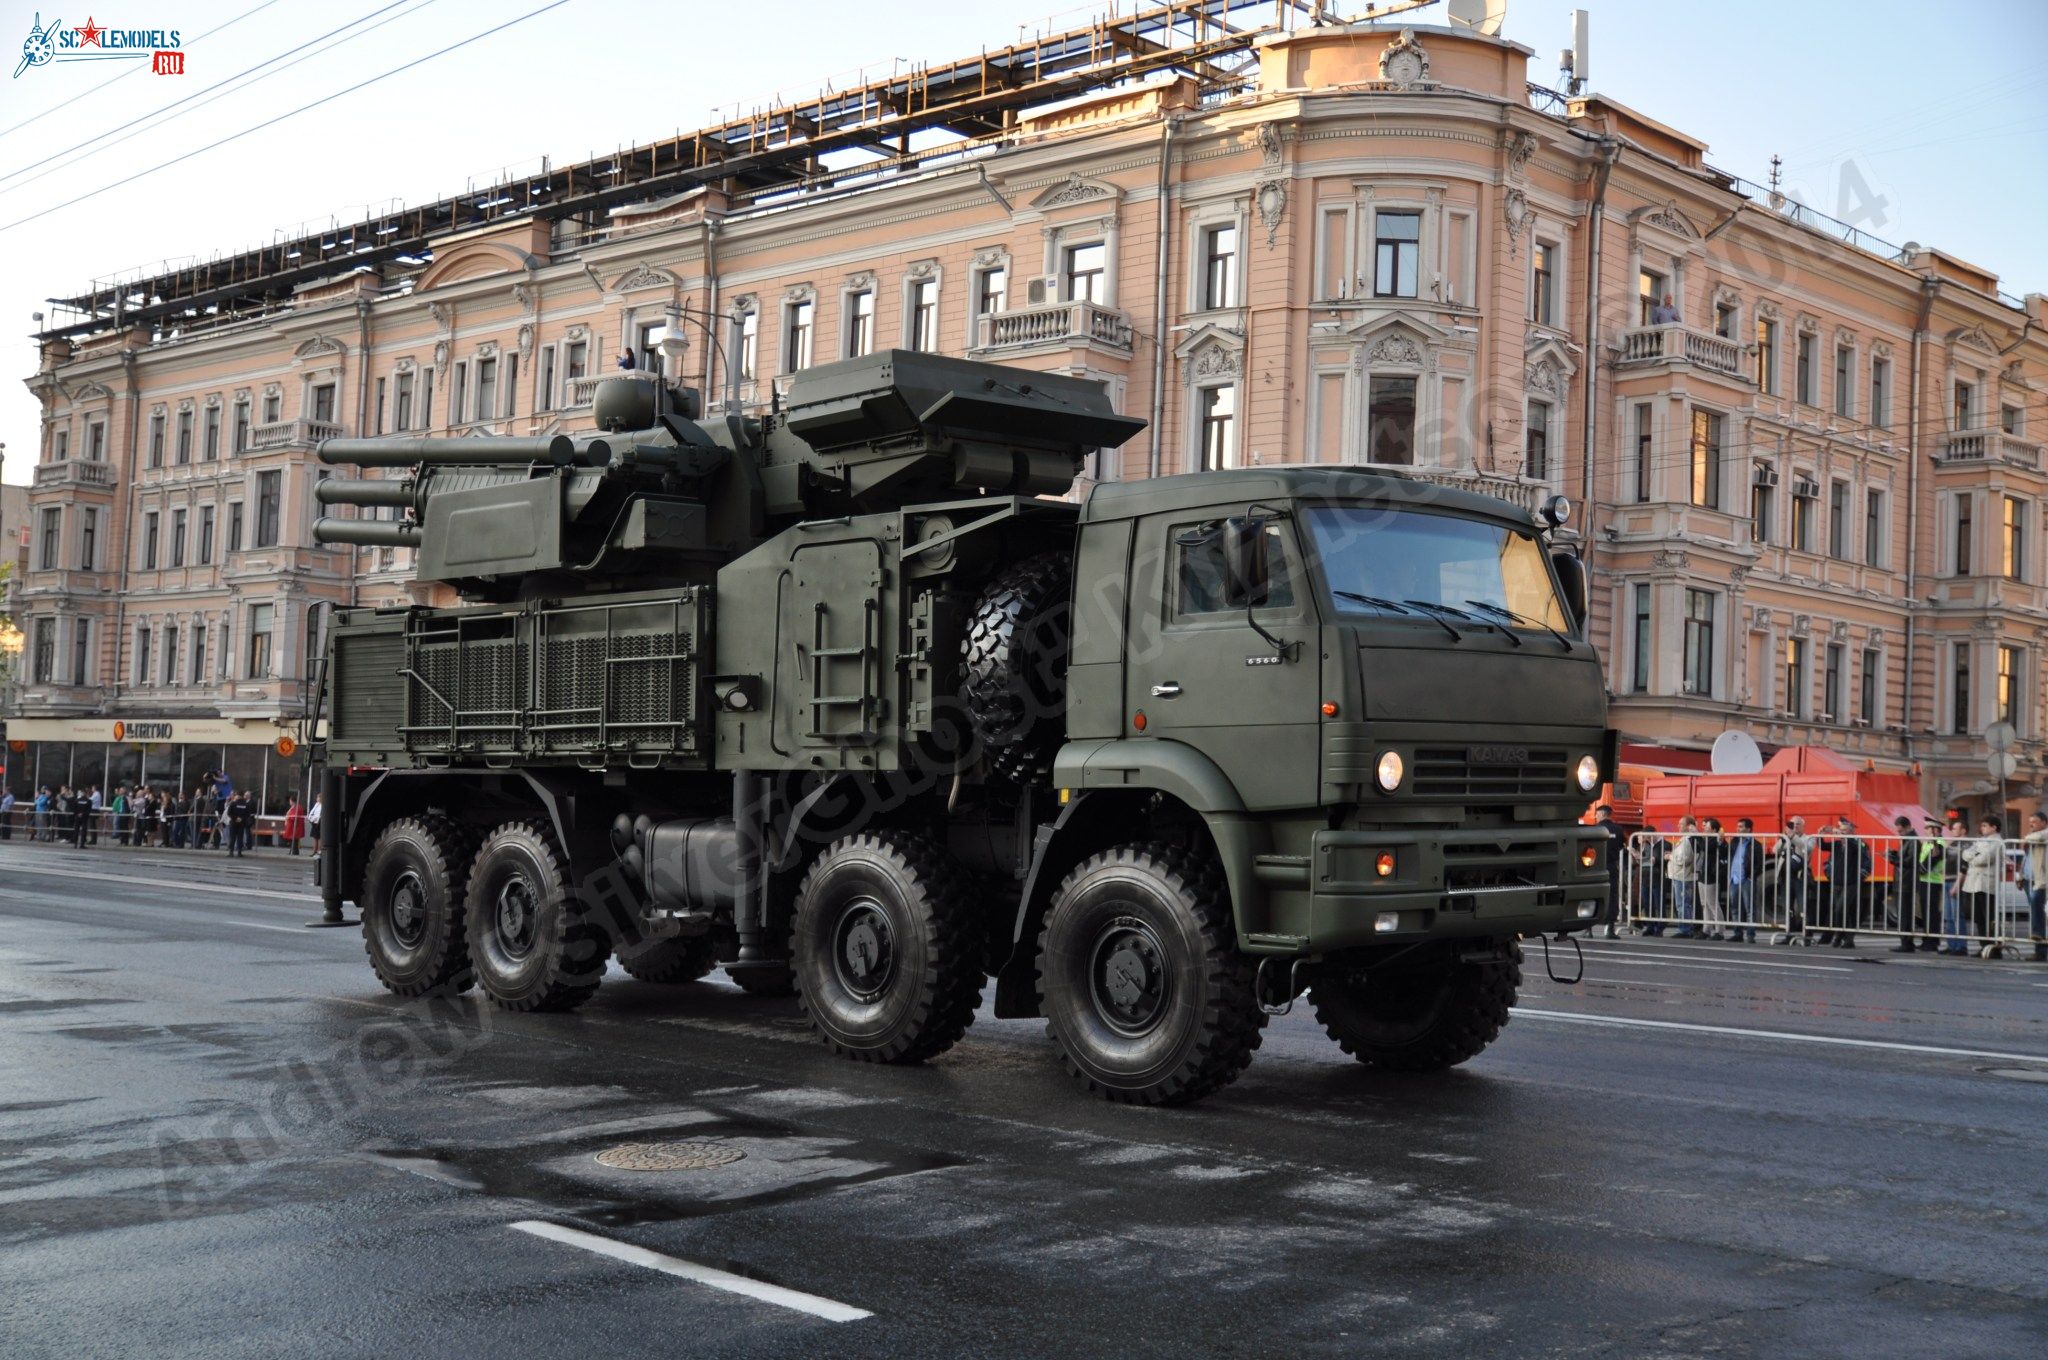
[1385, 864]
[1138, 720]
[1329, 710]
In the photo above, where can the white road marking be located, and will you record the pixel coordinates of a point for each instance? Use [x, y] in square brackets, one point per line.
[1686, 1027]
[1718, 955]
[829, 1309]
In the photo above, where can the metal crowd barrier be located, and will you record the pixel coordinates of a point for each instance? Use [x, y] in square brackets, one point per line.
[1959, 894]
[176, 830]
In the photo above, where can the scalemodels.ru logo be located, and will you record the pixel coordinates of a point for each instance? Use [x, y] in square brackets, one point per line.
[161, 46]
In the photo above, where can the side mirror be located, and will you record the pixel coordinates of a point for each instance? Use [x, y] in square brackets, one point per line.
[1571, 574]
[1247, 560]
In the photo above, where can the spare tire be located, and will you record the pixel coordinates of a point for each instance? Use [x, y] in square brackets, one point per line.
[1015, 665]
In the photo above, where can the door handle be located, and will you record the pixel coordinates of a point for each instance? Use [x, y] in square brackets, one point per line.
[1166, 690]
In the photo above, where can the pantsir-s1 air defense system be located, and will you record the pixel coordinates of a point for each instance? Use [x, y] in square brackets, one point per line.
[839, 700]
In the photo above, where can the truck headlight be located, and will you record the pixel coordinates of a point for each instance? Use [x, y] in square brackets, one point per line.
[1389, 771]
[1589, 774]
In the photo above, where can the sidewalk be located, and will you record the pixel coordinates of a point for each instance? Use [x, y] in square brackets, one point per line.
[269, 866]
[1870, 947]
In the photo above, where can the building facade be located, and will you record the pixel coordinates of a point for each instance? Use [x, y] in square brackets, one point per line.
[1811, 473]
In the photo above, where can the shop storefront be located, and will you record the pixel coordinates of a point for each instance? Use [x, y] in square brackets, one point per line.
[268, 759]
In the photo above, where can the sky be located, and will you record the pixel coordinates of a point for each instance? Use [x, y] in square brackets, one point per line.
[1918, 122]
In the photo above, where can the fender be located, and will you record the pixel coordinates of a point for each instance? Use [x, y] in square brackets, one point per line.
[1106, 779]
[390, 794]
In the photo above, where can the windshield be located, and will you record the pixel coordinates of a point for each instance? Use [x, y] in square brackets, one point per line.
[1394, 562]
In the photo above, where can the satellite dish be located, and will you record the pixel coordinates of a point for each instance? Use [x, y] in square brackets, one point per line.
[2001, 736]
[1484, 16]
[1736, 753]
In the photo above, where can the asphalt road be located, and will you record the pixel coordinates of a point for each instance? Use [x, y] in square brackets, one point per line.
[218, 1136]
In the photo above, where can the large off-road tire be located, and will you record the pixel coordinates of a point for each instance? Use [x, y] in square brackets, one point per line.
[670, 961]
[1421, 1019]
[1143, 987]
[412, 906]
[534, 944]
[1014, 665]
[886, 947]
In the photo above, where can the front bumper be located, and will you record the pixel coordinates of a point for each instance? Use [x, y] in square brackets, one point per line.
[1521, 880]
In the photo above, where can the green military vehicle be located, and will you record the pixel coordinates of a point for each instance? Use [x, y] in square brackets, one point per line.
[839, 701]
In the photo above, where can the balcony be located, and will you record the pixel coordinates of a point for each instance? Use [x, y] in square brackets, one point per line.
[579, 391]
[1974, 447]
[291, 434]
[1675, 343]
[1059, 323]
[75, 472]
[1517, 490]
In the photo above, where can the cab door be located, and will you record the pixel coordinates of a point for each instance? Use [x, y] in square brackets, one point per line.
[1203, 676]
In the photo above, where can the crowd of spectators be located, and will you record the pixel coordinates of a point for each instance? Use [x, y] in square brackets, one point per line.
[1935, 887]
[214, 815]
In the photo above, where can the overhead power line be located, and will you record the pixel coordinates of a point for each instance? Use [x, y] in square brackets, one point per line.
[88, 93]
[107, 140]
[272, 122]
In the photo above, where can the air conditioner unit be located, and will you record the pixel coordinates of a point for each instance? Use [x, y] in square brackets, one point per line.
[1764, 475]
[1042, 289]
[1806, 487]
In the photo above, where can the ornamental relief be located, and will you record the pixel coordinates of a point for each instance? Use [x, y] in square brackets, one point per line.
[1404, 64]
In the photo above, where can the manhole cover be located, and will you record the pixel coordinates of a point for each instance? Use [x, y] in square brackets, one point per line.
[668, 1156]
[2017, 1073]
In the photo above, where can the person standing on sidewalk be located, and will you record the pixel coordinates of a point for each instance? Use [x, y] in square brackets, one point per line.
[1952, 926]
[241, 818]
[98, 803]
[1983, 866]
[1682, 867]
[2036, 841]
[1713, 880]
[1904, 858]
[1603, 817]
[294, 824]
[1745, 867]
[313, 830]
[6, 814]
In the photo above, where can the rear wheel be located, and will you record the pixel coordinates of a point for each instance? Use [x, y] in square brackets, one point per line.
[1144, 989]
[886, 948]
[671, 961]
[1421, 1019]
[535, 945]
[412, 906]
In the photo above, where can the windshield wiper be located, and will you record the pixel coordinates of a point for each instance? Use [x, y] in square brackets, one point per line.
[1513, 617]
[1399, 608]
[1493, 620]
[1437, 612]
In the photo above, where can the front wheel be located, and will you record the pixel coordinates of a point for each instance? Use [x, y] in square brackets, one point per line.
[1423, 1018]
[1144, 989]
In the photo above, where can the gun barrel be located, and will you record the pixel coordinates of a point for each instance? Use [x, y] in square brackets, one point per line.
[372, 533]
[558, 449]
[396, 492]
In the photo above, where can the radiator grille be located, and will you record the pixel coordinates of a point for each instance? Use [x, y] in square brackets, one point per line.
[1448, 772]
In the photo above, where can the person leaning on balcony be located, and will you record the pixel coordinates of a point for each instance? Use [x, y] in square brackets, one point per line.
[2036, 841]
[1983, 865]
[1665, 313]
[1682, 867]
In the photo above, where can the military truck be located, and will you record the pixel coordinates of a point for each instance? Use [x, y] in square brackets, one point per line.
[842, 700]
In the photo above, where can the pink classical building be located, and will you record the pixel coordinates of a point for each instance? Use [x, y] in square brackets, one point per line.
[1812, 480]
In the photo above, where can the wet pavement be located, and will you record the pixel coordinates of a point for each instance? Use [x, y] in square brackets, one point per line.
[218, 1136]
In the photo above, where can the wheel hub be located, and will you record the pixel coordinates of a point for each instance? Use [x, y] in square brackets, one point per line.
[409, 909]
[1128, 976]
[516, 917]
[864, 949]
